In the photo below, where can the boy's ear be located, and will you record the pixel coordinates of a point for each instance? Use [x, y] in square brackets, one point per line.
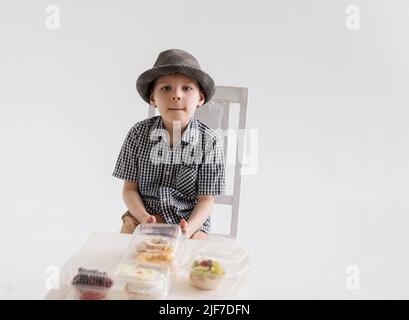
[152, 101]
[201, 99]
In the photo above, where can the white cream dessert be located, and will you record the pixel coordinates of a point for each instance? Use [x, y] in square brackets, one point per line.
[143, 281]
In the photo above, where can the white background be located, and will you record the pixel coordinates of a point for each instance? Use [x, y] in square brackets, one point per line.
[330, 106]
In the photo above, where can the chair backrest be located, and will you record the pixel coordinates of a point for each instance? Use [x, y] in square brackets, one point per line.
[216, 115]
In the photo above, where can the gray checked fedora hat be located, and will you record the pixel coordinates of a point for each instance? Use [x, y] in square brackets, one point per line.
[175, 61]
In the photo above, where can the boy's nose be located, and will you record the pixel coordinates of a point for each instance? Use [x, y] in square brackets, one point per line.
[177, 95]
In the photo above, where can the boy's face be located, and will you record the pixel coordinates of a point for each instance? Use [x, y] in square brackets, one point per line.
[176, 96]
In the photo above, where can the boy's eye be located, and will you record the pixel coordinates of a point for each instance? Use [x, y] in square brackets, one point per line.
[167, 88]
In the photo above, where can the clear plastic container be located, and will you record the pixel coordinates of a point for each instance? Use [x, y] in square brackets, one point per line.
[158, 245]
[140, 281]
[217, 266]
[93, 278]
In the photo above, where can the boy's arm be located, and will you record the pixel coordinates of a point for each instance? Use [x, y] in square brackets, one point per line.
[212, 170]
[133, 201]
[199, 214]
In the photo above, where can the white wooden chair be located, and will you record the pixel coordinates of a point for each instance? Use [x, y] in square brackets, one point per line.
[217, 115]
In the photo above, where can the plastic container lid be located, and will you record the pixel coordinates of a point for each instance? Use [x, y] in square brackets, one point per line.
[142, 281]
[159, 229]
[156, 244]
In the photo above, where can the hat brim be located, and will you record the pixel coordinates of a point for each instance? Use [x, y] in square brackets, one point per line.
[145, 79]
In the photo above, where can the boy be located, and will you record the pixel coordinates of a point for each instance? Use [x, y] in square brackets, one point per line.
[172, 164]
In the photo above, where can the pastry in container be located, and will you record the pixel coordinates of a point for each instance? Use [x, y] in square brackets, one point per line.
[143, 281]
[206, 274]
[91, 284]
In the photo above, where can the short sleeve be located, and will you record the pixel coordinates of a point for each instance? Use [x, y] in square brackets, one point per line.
[211, 174]
[126, 167]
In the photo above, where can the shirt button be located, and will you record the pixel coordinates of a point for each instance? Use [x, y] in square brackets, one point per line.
[165, 199]
[167, 173]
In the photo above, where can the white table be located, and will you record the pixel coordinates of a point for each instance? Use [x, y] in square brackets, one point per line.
[106, 249]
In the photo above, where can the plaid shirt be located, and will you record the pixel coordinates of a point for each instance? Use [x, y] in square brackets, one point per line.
[171, 177]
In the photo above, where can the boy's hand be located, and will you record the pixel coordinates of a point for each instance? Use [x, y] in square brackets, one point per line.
[185, 228]
[149, 219]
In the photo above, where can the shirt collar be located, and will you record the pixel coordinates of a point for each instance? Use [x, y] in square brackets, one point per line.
[190, 135]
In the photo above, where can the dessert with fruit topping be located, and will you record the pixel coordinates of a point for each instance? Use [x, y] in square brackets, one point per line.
[206, 274]
[92, 284]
